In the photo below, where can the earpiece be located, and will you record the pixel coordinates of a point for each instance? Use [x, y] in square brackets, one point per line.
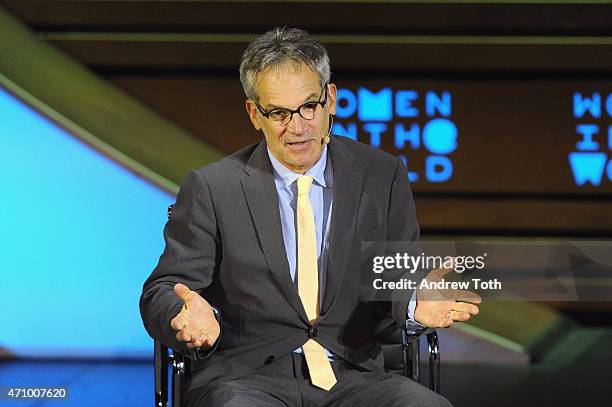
[326, 139]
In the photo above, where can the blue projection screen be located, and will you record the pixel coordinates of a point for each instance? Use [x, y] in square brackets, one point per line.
[80, 234]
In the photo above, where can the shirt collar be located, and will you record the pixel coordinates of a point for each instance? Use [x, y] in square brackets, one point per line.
[288, 177]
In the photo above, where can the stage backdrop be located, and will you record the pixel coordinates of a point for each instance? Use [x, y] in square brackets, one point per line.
[80, 234]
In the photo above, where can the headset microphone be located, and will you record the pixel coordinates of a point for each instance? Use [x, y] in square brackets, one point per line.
[326, 139]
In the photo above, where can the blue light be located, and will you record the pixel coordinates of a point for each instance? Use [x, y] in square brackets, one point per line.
[375, 130]
[349, 131]
[375, 106]
[438, 168]
[403, 103]
[412, 176]
[584, 104]
[411, 136]
[434, 103]
[80, 234]
[440, 136]
[375, 109]
[346, 103]
[587, 131]
[588, 167]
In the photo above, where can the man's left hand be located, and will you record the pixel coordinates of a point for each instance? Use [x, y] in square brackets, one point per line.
[441, 308]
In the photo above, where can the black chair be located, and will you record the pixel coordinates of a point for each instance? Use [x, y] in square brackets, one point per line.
[401, 354]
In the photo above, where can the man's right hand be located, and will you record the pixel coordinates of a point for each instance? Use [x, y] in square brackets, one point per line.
[196, 323]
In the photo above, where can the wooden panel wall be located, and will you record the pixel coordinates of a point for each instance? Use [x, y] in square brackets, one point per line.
[181, 58]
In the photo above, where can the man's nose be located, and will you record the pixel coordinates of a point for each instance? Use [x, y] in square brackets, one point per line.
[296, 125]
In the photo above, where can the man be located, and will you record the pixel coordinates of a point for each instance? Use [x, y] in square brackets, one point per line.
[268, 240]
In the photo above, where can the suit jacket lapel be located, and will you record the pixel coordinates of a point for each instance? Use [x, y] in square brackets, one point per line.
[346, 193]
[262, 200]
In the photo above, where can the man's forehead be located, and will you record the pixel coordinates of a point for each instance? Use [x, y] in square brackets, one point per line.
[287, 85]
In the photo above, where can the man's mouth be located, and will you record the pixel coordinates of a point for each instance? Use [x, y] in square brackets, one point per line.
[298, 143]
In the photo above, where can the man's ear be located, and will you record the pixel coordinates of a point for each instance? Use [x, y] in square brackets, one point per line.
[331, 95]
[251, 109]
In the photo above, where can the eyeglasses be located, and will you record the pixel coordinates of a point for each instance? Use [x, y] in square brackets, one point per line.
[308, 111]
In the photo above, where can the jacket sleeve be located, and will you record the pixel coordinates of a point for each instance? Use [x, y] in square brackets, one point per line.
[191, 256]
[402, 235]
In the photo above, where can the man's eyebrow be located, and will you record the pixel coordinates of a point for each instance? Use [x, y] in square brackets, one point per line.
[270, 106]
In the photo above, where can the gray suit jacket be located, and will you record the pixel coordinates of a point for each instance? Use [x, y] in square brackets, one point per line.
[224, 240]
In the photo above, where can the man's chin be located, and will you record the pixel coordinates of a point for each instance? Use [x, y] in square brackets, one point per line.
[304, 160]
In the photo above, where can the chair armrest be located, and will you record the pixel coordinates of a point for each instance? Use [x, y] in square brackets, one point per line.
[434, 361]
[161, 360]
[165, 358]
[412, 356]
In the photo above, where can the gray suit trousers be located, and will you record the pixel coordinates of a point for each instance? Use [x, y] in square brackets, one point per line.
[286, 383]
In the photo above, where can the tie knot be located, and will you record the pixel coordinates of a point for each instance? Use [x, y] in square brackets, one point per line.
[303, 184]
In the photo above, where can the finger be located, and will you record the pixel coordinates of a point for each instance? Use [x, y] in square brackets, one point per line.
[460, 316]
[466, 307]
[192, 345]
[183, 336]
[449, 264]
[198, 343]
[178, 323]
[445, 320]
[183, 292]
[467, 296]
[204, 341]
[438, 274]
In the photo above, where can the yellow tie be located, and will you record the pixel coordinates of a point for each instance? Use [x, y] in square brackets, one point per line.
[321, 373]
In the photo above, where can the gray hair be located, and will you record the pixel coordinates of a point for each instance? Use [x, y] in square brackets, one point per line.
[278, 47]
